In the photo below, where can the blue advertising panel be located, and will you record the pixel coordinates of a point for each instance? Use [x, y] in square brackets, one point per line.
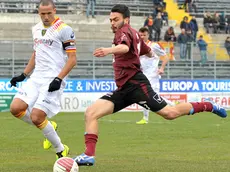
[109, 85]
[195, 86]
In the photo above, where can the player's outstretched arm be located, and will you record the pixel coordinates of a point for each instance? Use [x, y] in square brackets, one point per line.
[118, 49]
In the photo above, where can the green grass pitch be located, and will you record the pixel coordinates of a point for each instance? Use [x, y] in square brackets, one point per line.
[199, 143]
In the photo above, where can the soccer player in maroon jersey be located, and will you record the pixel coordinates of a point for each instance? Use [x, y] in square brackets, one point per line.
[133, 86]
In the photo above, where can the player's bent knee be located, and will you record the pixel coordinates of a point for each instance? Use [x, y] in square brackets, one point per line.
[90, 113]
[18, 107]
[16, 110]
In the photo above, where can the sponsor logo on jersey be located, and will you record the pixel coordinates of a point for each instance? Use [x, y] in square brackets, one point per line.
[48, 42]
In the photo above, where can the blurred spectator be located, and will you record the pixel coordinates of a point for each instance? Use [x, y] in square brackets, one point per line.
[149, 24]
[216, 22]
[227, 45]
[227, 24]
[222, 21]
[182, 40]
[184, 24]
[170, 35]
[90, 3]
[189, 4]
[203, 49]
[192, 4]
[190, 40]
[154, 14]
[165, 17]
[157, 25]
[194, 27]
[207, 21]
[156, 2]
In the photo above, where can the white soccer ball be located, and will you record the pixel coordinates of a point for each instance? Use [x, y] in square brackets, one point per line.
[65, 164]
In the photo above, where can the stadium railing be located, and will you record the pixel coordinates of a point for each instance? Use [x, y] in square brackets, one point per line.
[15, 55]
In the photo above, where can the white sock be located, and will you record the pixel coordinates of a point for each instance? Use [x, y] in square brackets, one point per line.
[26, 118]
[52, 136]
[146, 114]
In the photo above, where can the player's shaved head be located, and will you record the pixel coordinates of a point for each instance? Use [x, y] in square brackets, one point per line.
[47, 11]
[46, 3]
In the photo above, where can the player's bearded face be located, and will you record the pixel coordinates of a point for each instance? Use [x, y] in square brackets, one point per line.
[47, 14]
[116, 21]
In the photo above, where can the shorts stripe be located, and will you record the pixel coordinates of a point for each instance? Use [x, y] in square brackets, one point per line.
[144, 89]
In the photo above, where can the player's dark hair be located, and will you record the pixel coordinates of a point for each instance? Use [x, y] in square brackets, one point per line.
[46, 3]
[143, 29]
[122, 9]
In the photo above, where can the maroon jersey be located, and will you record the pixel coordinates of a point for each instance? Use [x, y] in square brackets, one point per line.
[128, 64]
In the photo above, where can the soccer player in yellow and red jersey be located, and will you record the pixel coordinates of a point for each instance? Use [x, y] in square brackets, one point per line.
[53, 58]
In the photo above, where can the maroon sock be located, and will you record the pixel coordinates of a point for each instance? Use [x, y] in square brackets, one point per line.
[90, 143]
[201, 107]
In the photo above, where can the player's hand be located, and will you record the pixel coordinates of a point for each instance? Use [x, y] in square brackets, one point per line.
[16, 79]
[55, 84]
[160, 71]
[101, 52]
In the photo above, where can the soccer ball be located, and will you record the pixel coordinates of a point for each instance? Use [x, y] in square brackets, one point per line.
[65, 164]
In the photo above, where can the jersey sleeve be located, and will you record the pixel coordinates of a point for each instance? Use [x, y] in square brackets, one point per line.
[68, 39]
[144, 49]
[122, 38]
[159, 50]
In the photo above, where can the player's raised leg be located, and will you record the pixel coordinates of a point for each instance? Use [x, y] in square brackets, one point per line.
[173, 112]
[99, 109]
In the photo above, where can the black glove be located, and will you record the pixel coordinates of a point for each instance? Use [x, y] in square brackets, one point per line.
[16, 79]
[55, 84]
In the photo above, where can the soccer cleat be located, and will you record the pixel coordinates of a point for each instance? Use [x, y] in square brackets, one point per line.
[143, 121]
[46, 142]
[84, 160]
[63, 153]
[218, 110]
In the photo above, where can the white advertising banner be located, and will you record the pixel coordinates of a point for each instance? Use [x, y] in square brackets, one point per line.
[78, 102]
[221, 98]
